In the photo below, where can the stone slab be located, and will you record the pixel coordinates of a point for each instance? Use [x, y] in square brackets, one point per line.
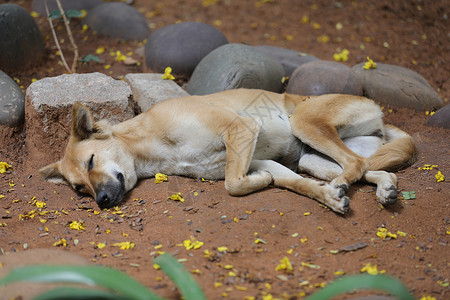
[48, 108]
[150, 89]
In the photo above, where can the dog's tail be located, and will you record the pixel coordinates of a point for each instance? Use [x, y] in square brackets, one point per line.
[397, 153]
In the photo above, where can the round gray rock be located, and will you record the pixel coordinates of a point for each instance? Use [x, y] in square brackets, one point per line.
[12, 102]
[441, 118]
[320, 77]
[289, 59]
[235, 66]
[39, 7]
[21, 43]
[181, 46]
[398, 86]
[118, 20]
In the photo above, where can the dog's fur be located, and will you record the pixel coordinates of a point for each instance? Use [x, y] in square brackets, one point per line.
[250, 138]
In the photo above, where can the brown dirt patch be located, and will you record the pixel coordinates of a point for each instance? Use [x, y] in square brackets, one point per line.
[412, 34]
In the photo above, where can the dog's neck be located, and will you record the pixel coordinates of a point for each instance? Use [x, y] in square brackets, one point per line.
[143, 146]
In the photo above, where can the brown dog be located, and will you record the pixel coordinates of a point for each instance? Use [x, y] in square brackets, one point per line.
[250, 138]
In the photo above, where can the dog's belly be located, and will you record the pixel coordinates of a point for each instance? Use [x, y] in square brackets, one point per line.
[204, 156]
[276, 142]
[194, 150]
[202, 162]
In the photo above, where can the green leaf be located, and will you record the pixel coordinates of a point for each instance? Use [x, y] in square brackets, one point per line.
[409, 195]
[69, 293]
[88, 275]
[73, 13]
[187, 285]
[55, 14]
[89, 58]
[364, 281]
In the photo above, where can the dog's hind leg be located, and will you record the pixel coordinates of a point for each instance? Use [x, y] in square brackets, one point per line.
[322, 122]
[396, 153]
[325, 168]
[386, 185]
[331, 196]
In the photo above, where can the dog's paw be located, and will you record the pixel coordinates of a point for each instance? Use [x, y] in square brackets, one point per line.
[387, 189]
[336, 200]
[387, 193]
[340, 183]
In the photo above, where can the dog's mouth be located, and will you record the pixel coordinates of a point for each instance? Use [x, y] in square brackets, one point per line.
[112, 192]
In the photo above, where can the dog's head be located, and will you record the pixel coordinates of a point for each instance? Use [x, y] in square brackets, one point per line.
[94, 161]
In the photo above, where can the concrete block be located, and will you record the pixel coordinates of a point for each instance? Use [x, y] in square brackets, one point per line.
[48, 108]
[149, 89]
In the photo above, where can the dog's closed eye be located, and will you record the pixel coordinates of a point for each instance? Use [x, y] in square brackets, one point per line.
[79, 187]
[91, 163]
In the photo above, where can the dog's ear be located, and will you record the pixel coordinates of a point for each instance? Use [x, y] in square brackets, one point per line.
[52, 173]
[102, 130]
[82, 122]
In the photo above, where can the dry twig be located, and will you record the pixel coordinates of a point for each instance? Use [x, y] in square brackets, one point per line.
[69, 33]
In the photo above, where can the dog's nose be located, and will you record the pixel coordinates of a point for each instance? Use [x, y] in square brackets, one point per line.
[102, 198]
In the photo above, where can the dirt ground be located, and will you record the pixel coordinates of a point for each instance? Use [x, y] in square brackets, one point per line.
[262, 228]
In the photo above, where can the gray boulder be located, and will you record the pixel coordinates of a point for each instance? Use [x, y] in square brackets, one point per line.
[320, 77]
[150, 89]
[39, 7]
[48, 108]
[398, 86]
[440, 118]
[289, 59]
[21, 43]
[117, 20]
[12, 102]
[235, 66]
[181, 46]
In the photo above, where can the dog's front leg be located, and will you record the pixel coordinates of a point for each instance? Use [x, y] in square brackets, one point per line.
[331, 196]
[240, 140]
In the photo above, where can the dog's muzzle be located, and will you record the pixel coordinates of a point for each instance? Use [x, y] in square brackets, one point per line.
[111, 193]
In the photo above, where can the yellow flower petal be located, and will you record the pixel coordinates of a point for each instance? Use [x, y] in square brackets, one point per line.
[77, 225]
[4, 167]
[100, 50]
[285, 265]
[168, 74]
[124, 245]
[61, 242]
[176, 197]
[40, 204]
[369, 64]
[192, 243]
[341, 56]
[426, 297]
[371, 269]
[120, 57]
[439, 177]
[159, 177]
[384, 233]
